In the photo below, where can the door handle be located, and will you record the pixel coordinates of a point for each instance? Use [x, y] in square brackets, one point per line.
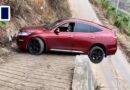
[92, 37]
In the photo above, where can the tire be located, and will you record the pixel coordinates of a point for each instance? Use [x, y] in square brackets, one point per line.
[36, 46]
[96, 54]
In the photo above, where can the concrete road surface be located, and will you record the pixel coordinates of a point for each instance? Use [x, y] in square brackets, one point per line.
[114, 72]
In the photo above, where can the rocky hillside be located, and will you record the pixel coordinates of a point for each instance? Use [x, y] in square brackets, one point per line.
[31, 12]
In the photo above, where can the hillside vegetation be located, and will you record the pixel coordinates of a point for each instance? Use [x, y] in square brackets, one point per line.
[116, 16]
[32, 12]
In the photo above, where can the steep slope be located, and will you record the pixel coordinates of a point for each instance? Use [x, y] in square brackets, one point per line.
[32, 12]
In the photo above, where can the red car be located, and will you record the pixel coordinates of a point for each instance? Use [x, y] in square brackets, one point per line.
[72, 35]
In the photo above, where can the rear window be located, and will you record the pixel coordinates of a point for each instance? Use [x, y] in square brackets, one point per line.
[94, 29]
[82, 27]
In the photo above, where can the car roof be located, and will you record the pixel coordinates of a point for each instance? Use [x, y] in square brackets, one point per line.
[77, 19]
[83, 20]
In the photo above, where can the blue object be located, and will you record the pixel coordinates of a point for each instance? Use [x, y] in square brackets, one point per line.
[4, 13]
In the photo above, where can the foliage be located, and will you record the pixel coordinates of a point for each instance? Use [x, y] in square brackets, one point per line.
[2, 23]
[119, 18]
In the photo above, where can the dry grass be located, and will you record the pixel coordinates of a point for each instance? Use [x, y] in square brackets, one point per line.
[40, 11]
[61, 7]
[98, 88]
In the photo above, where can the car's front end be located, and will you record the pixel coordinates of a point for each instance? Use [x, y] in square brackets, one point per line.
[25, 34]
[22, 39]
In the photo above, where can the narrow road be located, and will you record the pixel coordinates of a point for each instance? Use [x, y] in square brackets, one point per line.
[114, 72]
[23, 71]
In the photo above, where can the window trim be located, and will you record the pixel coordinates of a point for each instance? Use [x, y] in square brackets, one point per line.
[63, 24]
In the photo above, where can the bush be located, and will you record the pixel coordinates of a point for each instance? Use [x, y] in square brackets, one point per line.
[2, 23]
[120, 19]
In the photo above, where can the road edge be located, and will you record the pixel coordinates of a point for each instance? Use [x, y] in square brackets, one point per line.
[83, 78]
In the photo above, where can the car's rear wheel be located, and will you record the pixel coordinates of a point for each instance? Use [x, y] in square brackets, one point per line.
[96, 54]
[36, 46]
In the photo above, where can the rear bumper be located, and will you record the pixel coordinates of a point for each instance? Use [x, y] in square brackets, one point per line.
[112, 51]
[112, 48]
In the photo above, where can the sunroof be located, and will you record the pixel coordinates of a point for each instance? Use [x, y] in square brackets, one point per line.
[4, 13]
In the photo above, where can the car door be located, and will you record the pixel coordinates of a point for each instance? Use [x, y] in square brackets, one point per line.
[83, 38]
[61, 41]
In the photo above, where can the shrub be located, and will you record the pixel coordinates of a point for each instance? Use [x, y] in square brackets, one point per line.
[2, 23]
[120, 19]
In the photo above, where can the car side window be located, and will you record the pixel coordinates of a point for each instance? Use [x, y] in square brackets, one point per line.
[94, 29]
[82, 27]
[67, 27]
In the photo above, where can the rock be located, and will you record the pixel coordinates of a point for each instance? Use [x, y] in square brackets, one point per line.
[14, 46]
[2, 60]
[3, 51]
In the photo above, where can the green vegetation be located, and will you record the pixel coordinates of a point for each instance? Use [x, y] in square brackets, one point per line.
[2, 23]
[119, 18]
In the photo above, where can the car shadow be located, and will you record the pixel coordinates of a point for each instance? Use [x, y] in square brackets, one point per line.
[16, 50]
[61, 53]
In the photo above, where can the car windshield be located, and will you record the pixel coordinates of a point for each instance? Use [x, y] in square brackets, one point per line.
[50, 26]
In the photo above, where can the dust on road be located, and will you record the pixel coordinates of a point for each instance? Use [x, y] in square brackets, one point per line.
[23, 71]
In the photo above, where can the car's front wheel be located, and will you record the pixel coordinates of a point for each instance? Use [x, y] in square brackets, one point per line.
[96, 54]
[36, 46]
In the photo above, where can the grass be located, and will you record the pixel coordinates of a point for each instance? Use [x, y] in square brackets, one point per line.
[119, 18]
[2, 23]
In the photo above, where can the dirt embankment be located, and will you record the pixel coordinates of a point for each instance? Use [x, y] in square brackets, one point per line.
[32, 12]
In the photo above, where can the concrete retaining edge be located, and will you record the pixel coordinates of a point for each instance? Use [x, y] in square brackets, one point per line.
[83, 78]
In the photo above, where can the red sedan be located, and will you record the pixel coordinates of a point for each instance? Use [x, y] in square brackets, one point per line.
[72, 35]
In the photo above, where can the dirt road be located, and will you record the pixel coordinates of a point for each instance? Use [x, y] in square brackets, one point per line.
[23, 71]
[113, 73]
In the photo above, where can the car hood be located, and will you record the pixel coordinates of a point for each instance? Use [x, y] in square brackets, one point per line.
[33, 29]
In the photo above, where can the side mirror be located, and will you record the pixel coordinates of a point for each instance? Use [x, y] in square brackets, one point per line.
[57, 31]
